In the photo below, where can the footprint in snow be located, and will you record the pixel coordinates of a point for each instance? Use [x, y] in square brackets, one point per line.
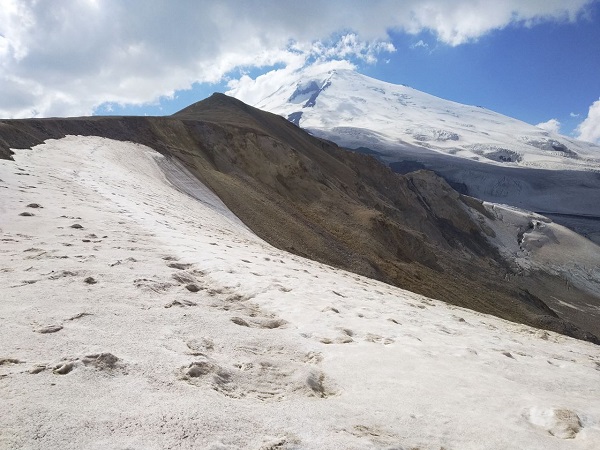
[375, 434]
[181, 302]
[345, 337]
[561, 423]
[200, 347]
[9, 361]
[152, 285]
[48, 329]
[63, 274]
[103, 362]
[259, 323]
[264, 380]
[179, 266]
[63, 368]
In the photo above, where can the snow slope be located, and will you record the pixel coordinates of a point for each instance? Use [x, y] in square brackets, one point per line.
[358, 111]
[137, 313]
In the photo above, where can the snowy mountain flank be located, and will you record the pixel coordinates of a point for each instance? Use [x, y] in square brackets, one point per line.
[480, 152]
[138, 312]
[362, 111]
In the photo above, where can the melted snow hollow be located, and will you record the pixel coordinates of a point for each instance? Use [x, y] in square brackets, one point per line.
[137, 312]
[354, 110]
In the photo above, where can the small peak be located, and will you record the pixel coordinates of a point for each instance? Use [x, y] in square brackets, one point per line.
[220, 95]
[216, 100]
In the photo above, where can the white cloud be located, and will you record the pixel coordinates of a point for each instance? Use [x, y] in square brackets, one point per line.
[553, 125]
[589, 129]
[457, 22]
[68, 57]
[420, 44]
[573, 114]
[349, 45]
[251, 90]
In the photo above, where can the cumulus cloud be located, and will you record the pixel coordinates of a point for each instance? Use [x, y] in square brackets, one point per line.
[553, 125]
[349, 45]
[68, 57]
[589, 129]
[421, 43]
[572, 114]
[253, 90]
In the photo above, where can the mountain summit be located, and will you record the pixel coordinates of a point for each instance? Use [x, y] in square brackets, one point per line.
[357, 111]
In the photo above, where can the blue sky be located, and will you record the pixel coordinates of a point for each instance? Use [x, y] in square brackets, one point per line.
[533, 74]
[535, 60]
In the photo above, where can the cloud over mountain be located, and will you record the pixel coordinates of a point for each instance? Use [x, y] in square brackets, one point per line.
[589, 129]
[552, 125]
[67, 58]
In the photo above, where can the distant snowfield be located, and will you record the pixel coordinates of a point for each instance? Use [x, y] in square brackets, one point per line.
[354, 111]
[135, 316]
[534, 242]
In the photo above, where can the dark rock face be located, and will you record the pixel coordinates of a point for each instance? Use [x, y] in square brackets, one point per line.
[310, 197]
[310, 89]
[295, 118]
[313, 89]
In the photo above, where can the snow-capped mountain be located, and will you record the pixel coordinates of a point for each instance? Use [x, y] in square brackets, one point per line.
[358, 111]
[479, 152]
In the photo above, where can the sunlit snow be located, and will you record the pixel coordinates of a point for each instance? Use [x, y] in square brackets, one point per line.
[141, 314]
[357, 111]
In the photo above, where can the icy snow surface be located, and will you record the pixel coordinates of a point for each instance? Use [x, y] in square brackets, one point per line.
[135, 316]
[358, 111]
